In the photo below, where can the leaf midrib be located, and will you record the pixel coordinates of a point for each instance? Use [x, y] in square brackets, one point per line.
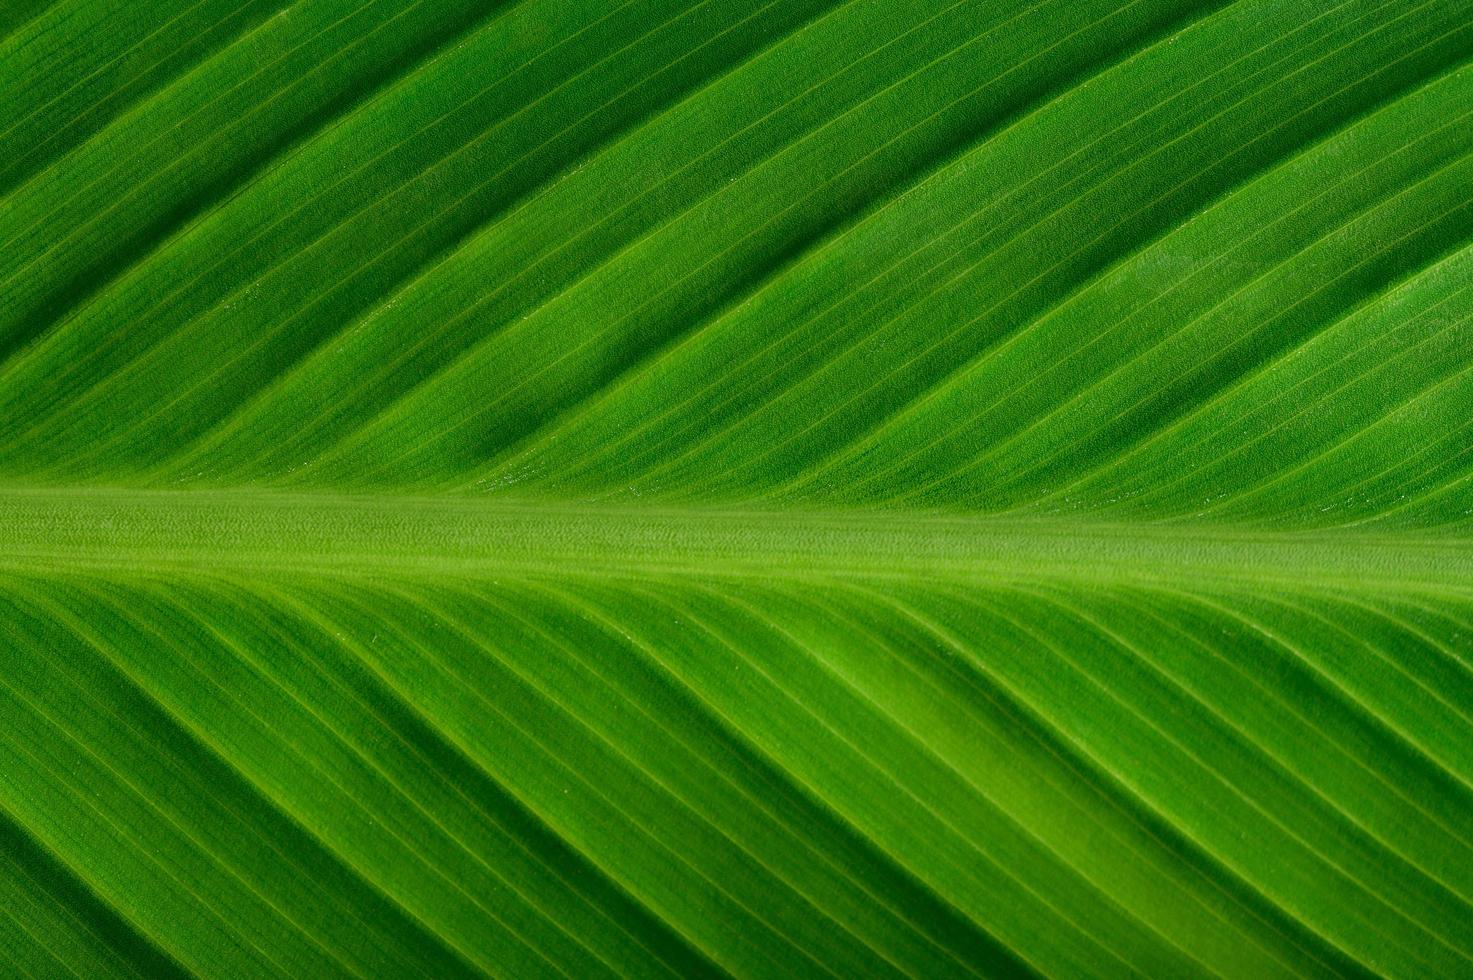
[43, 530]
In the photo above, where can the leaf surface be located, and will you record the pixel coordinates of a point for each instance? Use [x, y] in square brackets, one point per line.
[804, 488]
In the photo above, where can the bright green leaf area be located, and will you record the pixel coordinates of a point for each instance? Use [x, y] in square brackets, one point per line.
[804, 488]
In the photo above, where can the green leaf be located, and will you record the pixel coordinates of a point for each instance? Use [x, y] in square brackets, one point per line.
[670, 488]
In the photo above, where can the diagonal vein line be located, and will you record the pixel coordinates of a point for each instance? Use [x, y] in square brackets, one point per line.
[403, 699]
[202, 739]
[768, 762]
[833, 244]
[1329, 862]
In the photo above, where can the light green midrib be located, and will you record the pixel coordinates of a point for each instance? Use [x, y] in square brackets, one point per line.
[242, 531]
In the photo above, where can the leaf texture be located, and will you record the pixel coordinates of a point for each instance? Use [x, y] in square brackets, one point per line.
[705, 488]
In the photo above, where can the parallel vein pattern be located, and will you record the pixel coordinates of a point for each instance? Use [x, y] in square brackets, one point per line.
[706, 488]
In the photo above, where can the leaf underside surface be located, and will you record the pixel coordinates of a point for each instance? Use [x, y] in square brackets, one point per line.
[831, 488]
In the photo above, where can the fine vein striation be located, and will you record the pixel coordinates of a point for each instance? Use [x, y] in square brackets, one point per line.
[684, 488]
